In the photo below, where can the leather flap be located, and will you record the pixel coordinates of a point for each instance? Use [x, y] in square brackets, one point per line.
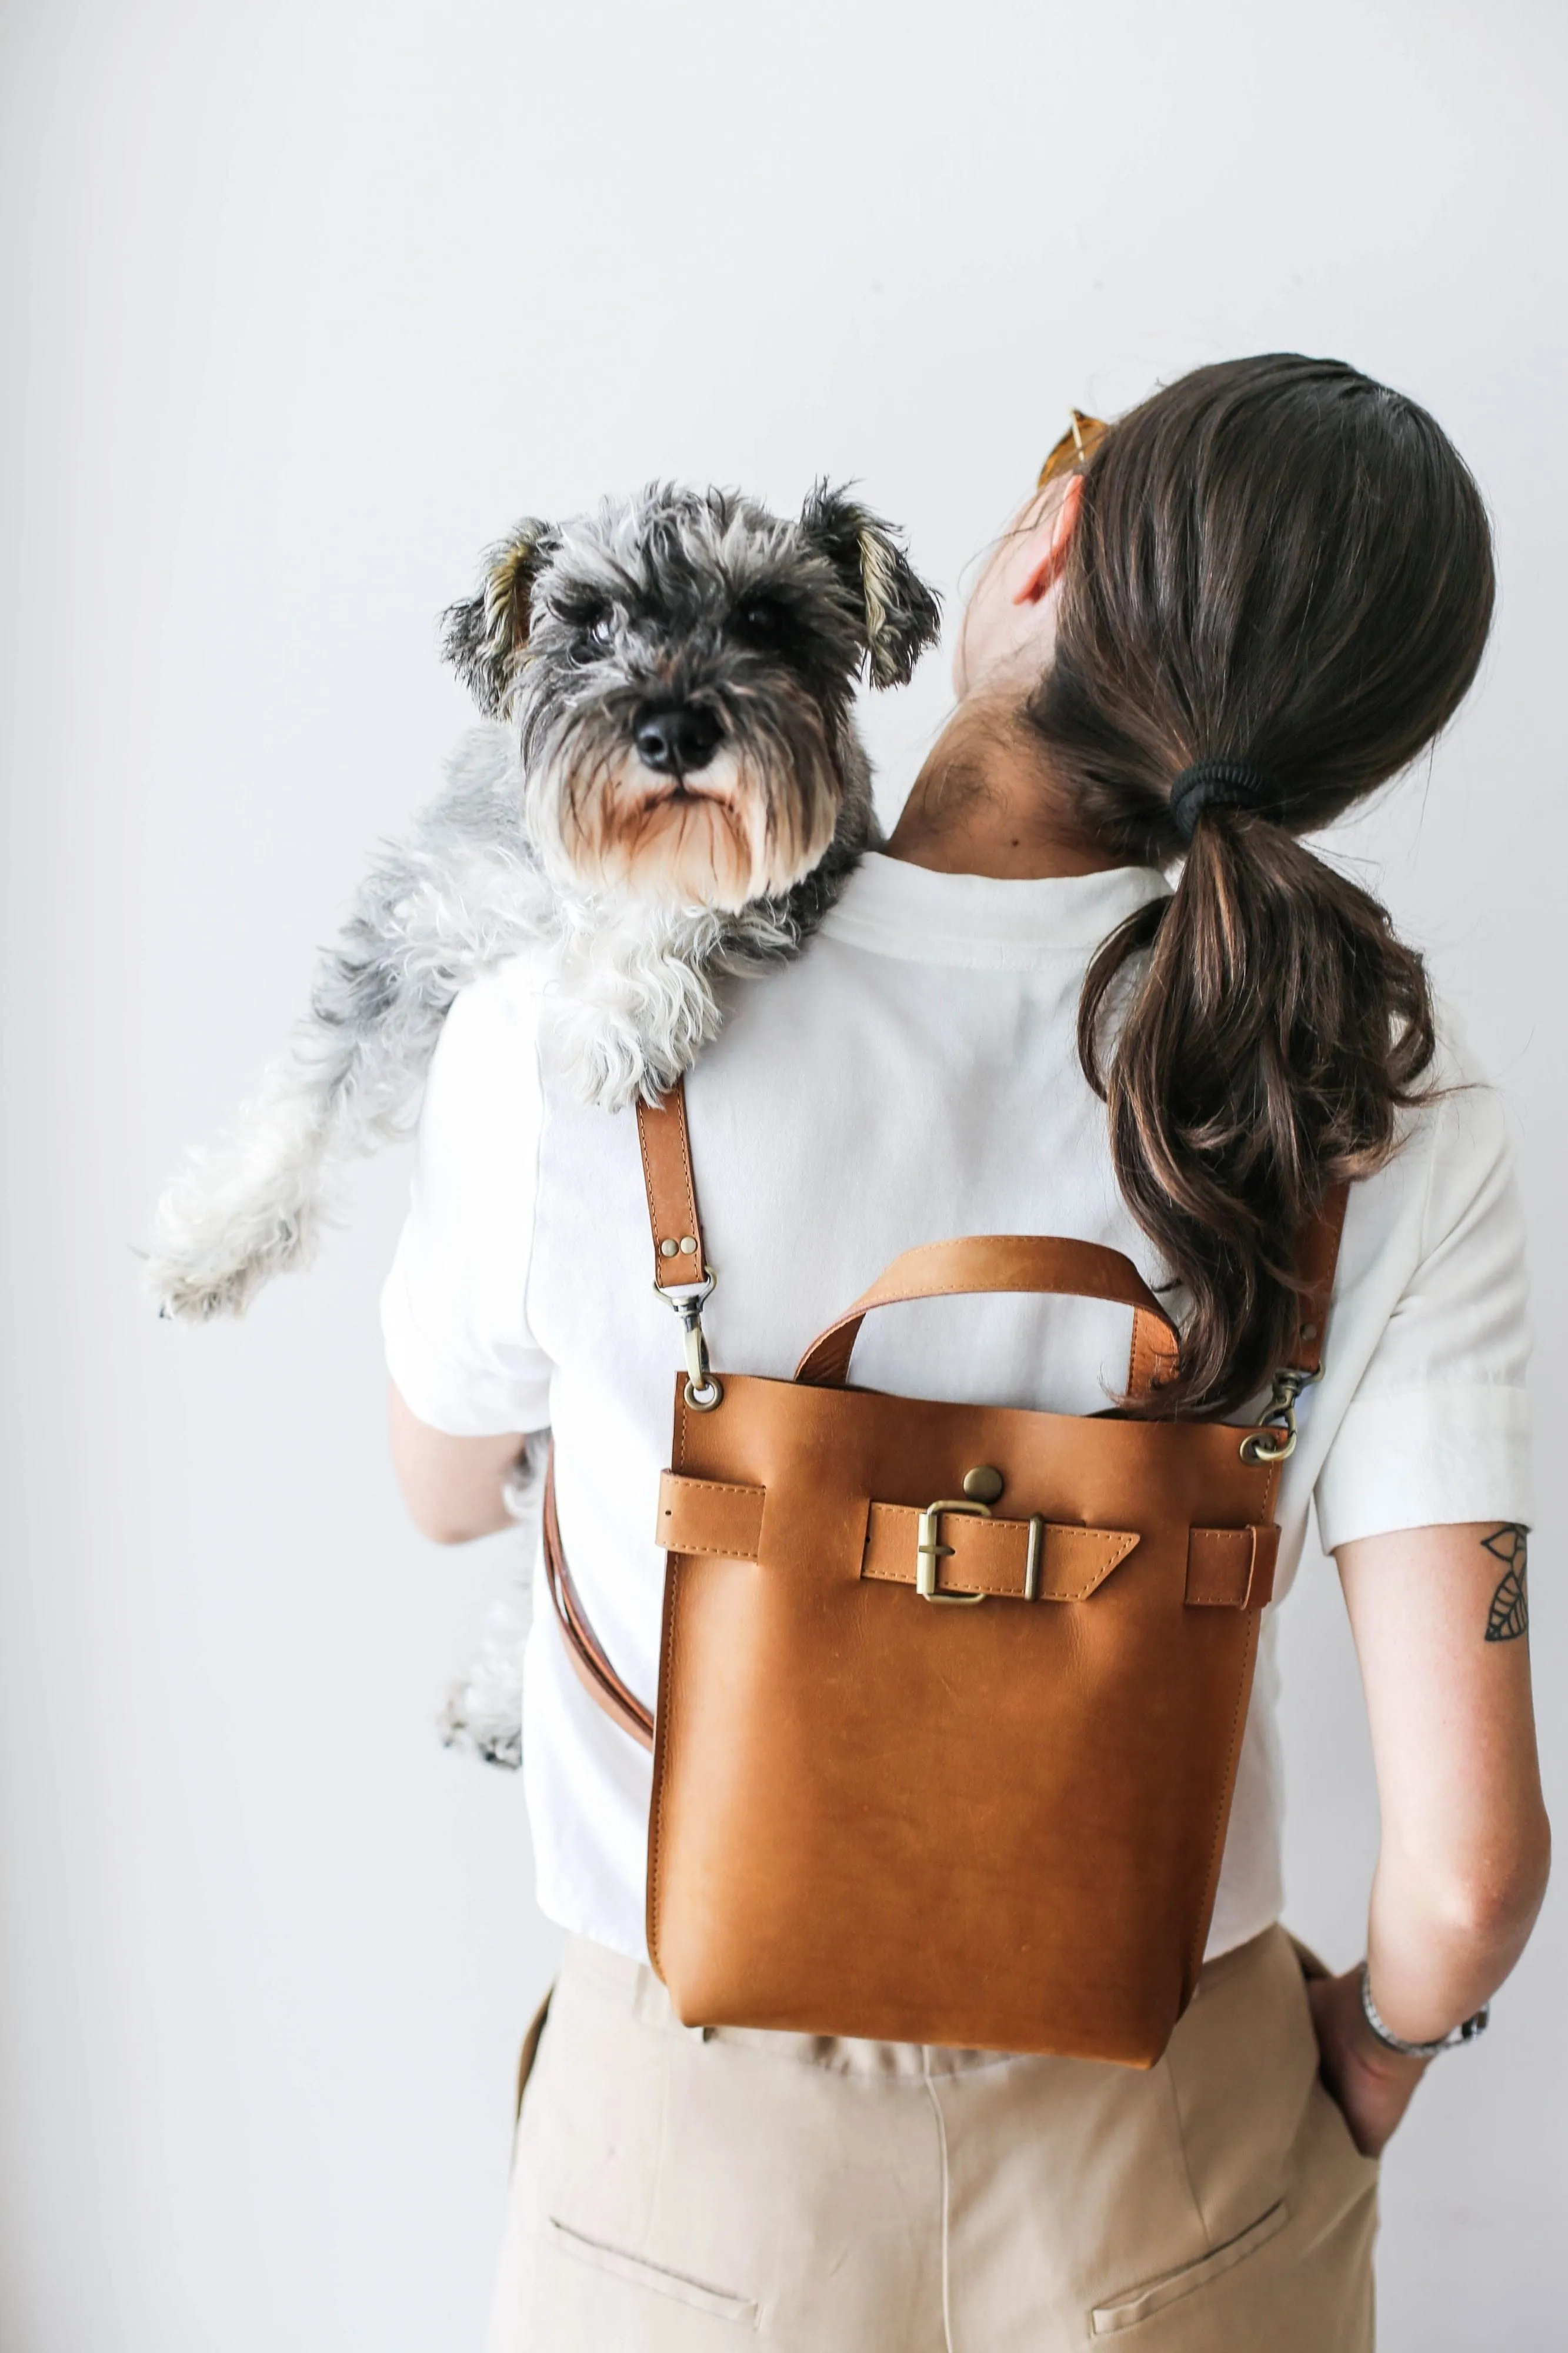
[991, 1555]
[1232, 1568]
[696, 1516]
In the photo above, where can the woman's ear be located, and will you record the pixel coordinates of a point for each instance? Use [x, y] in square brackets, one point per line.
[485, 636]
[1043, 557]
[901, 615]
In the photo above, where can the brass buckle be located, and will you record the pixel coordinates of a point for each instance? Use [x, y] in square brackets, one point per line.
[930, 1548]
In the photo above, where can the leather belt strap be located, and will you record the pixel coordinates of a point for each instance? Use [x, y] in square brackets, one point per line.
[590, 1659]
[991, 1555]
[1227, 1568]
[678, 1259]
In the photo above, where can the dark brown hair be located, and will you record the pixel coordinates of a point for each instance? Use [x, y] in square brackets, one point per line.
[1278, 561]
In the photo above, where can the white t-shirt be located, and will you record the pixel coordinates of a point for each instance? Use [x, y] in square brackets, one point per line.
[912, 1076]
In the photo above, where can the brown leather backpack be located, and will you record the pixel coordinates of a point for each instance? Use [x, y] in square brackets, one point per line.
[951, 1697]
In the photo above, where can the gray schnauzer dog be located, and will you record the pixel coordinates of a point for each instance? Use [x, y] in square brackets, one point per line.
[668, 789]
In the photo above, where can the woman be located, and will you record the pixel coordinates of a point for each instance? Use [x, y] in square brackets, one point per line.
[1012, 1023]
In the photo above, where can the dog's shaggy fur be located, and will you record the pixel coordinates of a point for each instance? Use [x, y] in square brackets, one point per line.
[667, 788]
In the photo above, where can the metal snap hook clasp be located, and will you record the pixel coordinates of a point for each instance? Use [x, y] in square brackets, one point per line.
[703, 1390]
[1261, 1446]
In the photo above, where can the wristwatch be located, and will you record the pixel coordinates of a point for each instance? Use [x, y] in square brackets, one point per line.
[1466, 2032]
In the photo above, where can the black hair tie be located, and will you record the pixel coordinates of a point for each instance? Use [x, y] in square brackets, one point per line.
[1222, 782]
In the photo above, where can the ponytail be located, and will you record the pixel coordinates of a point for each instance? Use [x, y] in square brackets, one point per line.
[1276, 1031]
[1283, 571]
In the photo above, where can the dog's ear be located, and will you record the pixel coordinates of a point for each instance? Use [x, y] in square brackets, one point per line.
[903, 616]
[484, 638]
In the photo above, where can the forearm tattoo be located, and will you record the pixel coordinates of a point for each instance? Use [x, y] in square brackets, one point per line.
[1509, 1616]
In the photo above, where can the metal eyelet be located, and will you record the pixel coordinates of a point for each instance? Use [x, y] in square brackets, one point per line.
[1257, 1447]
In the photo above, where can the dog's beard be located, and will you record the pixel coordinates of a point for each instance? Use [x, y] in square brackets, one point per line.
[732, 832]
[701, 841]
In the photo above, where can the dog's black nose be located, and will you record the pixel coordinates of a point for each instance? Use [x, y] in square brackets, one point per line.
[676, 739]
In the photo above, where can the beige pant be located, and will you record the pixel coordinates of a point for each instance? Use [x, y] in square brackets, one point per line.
[676, 2189]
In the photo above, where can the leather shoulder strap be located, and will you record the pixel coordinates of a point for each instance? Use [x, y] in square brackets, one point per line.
[1317, 1261]
[590, 1659]
[678, 1264]
[678, 1261]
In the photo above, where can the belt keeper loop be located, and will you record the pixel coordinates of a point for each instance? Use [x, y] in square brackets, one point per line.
[1251, 1568]
[1032, 1557]
[1232, 1568]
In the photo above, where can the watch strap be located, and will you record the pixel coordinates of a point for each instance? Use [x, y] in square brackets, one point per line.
[1466, 2032]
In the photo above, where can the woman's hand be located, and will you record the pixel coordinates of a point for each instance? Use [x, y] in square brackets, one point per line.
[1371, 2084]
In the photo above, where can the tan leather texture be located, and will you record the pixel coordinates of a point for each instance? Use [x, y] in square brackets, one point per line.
[992, 1822]
[1231, 1569]
[996, 1825]
[709, 1516]
[662, 1139]
[993, 1556]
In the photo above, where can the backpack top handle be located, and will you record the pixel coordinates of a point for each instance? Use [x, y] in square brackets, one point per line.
[1015, 1262]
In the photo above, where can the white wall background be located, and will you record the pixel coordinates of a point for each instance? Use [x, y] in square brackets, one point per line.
[302, 304]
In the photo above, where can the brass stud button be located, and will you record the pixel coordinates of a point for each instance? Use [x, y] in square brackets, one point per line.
[689, 1244]
[667, 1250]
[983, 1484]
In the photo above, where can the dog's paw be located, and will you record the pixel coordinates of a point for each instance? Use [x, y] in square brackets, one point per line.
[197, 1294]
[482, 1711]
[494, 1737]
[210, 1256]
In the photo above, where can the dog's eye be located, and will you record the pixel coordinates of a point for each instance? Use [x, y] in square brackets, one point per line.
[602, 629]
[761, 622]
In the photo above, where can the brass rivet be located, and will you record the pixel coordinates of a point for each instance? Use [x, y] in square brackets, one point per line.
[688, 1242]
[983, 1484]
[1308, 1331]
[667, 1249]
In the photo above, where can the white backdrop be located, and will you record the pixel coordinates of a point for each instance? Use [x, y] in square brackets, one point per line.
[303, 304]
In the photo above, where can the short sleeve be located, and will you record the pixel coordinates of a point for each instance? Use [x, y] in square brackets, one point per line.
[454, 1314]
[1438, 1430]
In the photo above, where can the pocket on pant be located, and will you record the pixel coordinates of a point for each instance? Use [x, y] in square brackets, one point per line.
[1367, 2168]
[1143, 2303]
[530, 2050]
[718, 2303]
